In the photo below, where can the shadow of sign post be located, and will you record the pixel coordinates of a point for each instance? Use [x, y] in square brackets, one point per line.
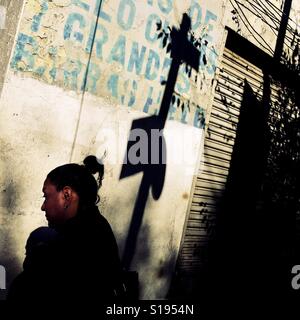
[146, 136]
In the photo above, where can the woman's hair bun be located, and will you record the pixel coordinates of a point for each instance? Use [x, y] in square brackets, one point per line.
[93, 165]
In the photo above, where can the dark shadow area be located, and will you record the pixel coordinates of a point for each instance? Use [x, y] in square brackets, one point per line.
[242, 259]
[256, 238]
[153, 178]
[8, 257]
[152, 159]
[279, 194]
[249, 261]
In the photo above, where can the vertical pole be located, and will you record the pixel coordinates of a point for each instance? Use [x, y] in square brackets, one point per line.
[85, 82]
[282, 30]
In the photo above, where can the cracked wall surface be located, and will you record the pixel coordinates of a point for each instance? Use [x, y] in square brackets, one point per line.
[9, 15]
[126, 58]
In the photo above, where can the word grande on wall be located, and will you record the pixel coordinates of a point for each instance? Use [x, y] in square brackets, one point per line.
[128, 63]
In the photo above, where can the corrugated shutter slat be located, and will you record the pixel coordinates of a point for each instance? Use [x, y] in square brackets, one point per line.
[218, 146]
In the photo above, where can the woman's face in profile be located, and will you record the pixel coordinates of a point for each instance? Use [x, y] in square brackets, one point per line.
[53, 204]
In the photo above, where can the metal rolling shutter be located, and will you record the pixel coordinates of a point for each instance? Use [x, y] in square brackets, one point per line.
[218, 147]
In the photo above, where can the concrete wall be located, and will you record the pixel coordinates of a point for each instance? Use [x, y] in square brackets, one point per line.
[48, 116]
[9, 18]
[257, 22]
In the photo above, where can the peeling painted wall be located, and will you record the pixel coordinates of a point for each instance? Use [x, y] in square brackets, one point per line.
[49, 115]
[128, 61]
[9, 17]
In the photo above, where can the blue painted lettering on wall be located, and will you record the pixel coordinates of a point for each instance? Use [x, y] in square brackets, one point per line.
[92, 78]
[52, 51]
[131, 87]
[165, 28]
[199, 118]
[126, 7]
[52, 73]
[183, 84]
[209, 16]
[117, 52]
[26, 48]
[184, 114]
[104, 15]
[195, 13]
[172, 111]
[132, 94]
[212, 61]
[36, 20]
[112, 85]
[72, 70]
[39, 71]
[159, 97]
[165, 69]
[74, 19]
[132, 55]
[151, 34]
[85, 6]
[100, 40]
[151, 27]
[136, 58]
[81, 4]
[152, 65]
[165, 6]
[149, 100]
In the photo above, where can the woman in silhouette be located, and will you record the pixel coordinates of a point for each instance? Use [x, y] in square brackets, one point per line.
[76, 257]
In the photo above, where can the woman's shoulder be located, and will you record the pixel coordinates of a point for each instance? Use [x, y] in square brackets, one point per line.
[40, 237]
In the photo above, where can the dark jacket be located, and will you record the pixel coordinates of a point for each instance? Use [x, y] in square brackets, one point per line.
[78, 261]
